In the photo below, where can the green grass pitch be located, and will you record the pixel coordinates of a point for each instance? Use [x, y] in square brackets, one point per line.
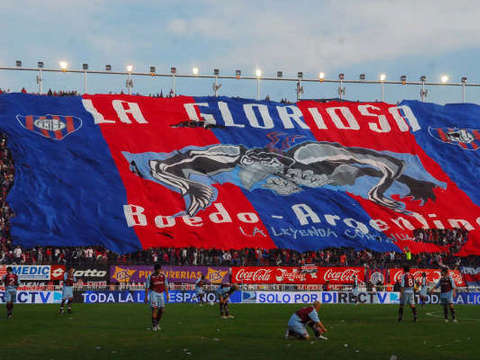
[119, 331]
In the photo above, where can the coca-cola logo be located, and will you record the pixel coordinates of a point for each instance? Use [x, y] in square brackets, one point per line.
[432, 275]
[291, 276]
[377, 277]
[244, 275]
[346, 275]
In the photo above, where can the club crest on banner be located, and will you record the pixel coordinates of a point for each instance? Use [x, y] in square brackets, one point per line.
[55, 127]
[467, 139]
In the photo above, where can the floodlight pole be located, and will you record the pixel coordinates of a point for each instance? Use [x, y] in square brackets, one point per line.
[174, 85]
[129, 83]
[39, 80]
[341, 89]
[299, 89]
[383, 91]
[85, 82]
[258, 88]
[215, 86]
[423, 91]
[463, 92]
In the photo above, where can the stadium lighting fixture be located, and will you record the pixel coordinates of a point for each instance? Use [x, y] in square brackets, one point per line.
[362, 77]
[279, 74]
[129, 68]
[195, 70]
[423, 78]
[18, 63]
[40, 64]
[341, 76]
[383, 77]
[258, 73]
[300, 75]
[216, 72]
[444, 79]
[153, 70]
[321, 76]
[85, 66]
[238, 73]
[173, 70]
[464, 79]
[108, 67]
[63, 65]
[403, 79]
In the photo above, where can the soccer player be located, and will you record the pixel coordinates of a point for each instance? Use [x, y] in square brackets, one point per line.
[423, 288]
[69, 280]
[157, 284]
[223, 293]
[355, 289]
[447, 293]
[199, 291]
[406, 293]
[306, 316]
[10, 280]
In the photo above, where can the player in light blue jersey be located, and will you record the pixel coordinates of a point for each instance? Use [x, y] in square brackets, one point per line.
[223, 293]
[423, 288]
[355, 289]
[199, 290]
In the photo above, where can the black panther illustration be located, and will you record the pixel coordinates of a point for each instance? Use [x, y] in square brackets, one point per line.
[306, 165]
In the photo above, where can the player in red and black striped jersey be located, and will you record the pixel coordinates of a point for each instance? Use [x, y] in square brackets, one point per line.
[155, 286]
[407, 294]
[10, 281]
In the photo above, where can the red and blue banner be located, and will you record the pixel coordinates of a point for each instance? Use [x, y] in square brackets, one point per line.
[132, 172]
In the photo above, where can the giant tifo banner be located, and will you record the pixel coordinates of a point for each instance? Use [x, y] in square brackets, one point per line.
[132, 172]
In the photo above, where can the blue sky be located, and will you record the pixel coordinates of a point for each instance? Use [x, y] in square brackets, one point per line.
[396, 37]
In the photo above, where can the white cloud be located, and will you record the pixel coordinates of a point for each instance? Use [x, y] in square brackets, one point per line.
[310, 36]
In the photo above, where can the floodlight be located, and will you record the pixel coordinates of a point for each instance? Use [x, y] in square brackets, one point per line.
[341, 76]
[63, 65]
[383, 77]
[85, 66]
[18, 63]
[108, 67]
[40, 64]
[362, 77]
[195, 70]
[444, 79]
[258, 72]
[279, 74]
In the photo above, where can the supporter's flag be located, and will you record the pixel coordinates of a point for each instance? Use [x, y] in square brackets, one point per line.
[471, 275]
[131, 172]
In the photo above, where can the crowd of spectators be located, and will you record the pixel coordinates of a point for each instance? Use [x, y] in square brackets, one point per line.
[442, 237]
[242, 257]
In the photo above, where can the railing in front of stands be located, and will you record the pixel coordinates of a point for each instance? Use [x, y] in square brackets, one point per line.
[212, 288]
